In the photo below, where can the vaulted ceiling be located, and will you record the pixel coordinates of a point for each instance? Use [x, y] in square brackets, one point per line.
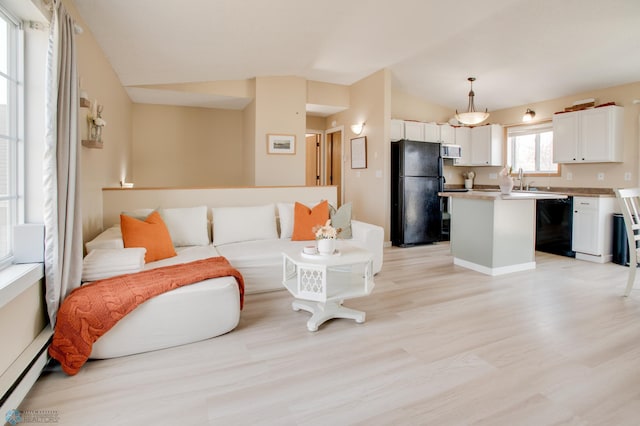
[520, 51]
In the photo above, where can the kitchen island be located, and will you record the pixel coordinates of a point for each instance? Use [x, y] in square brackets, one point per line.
[494, 233]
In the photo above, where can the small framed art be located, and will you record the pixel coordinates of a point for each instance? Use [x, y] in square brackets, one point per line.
[359, 153]
[281, 144]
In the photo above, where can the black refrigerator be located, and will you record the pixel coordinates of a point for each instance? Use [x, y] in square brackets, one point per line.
[416, 179]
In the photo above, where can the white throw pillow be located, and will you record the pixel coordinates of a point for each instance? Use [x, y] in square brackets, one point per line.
[187, 226]
[285, 212]
[110, 238]
[236, 224]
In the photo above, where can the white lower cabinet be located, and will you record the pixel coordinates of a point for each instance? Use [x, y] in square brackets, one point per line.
[592, 228]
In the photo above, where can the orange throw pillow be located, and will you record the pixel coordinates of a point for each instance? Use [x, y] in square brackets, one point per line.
[150, 233]
[305, 219]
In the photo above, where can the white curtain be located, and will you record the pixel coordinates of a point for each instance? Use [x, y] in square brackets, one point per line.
[62, 218]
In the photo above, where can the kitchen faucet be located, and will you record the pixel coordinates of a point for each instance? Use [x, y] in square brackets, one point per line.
[521, 177]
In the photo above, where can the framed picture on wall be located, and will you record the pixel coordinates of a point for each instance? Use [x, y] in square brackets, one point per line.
[359, 153]
[281, 144]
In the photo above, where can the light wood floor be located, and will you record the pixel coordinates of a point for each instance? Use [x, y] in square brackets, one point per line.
[441, 345]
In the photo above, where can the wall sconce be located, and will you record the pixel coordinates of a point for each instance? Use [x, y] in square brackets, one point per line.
[528, 115]
[84, 99]
[357, 128]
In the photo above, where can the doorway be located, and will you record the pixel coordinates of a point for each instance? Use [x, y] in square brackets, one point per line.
[334, 161]
[313, 167]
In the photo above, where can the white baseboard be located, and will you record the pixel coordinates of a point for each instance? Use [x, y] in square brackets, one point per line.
[16, 381]
[592, 258]
[494, 271]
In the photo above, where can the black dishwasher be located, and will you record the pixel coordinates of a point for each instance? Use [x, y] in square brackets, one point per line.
[554, 222]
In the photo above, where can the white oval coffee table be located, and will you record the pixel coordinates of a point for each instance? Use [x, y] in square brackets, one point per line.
[322, 283]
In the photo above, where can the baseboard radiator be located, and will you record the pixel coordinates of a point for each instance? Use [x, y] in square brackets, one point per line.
[24, 332]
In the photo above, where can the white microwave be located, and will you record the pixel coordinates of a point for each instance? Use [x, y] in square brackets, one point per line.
[451, 151]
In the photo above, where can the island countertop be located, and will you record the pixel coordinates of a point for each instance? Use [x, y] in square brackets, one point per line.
[497, 195]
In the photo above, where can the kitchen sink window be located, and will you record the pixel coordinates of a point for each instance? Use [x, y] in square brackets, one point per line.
[530, 148]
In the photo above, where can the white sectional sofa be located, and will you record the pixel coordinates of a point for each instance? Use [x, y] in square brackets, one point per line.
[259, 260]
[210, 308]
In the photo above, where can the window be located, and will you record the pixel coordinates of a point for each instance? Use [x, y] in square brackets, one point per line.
[530, 148]
[11, 85]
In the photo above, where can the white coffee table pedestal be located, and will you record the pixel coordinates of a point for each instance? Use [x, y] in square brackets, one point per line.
[321, 284]
[326, 311]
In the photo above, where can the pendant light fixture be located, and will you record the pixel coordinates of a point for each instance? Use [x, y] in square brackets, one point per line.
[472, 116]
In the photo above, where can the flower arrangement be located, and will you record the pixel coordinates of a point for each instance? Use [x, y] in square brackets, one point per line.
[469, 175]
[506, 171]
[96, 122]
[326, 231]
[95, 116]
[505, 181]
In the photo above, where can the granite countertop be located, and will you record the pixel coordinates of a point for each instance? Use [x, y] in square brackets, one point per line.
[494, 195]
[573, 192]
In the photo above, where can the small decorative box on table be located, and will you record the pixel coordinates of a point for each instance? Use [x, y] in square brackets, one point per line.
[321, 283]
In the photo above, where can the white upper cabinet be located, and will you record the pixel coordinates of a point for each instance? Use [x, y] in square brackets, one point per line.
[565, 137]
[447, 134]
[414, 131]
[601, 132]
[463, 138]
[397, 130]
[431, 132]
[486, 145]
[588, 136]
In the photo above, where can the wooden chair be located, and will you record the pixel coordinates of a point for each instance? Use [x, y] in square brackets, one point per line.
[630, 204]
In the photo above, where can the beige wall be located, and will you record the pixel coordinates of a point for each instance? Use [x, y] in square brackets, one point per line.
[407, 107]
[21, 321]
[101, 167]
[280, 109]
[316, 123]
[177, 146]
[584, 175]
[231, 88]
[368, 189]
[248, 144]
[319, 93]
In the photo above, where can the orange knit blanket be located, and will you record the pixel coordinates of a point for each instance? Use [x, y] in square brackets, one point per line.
[90, 311]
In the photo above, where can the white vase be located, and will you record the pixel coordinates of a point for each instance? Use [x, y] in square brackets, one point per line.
[95, 132]
[506, 184]
[326, 246]
[468, 183]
